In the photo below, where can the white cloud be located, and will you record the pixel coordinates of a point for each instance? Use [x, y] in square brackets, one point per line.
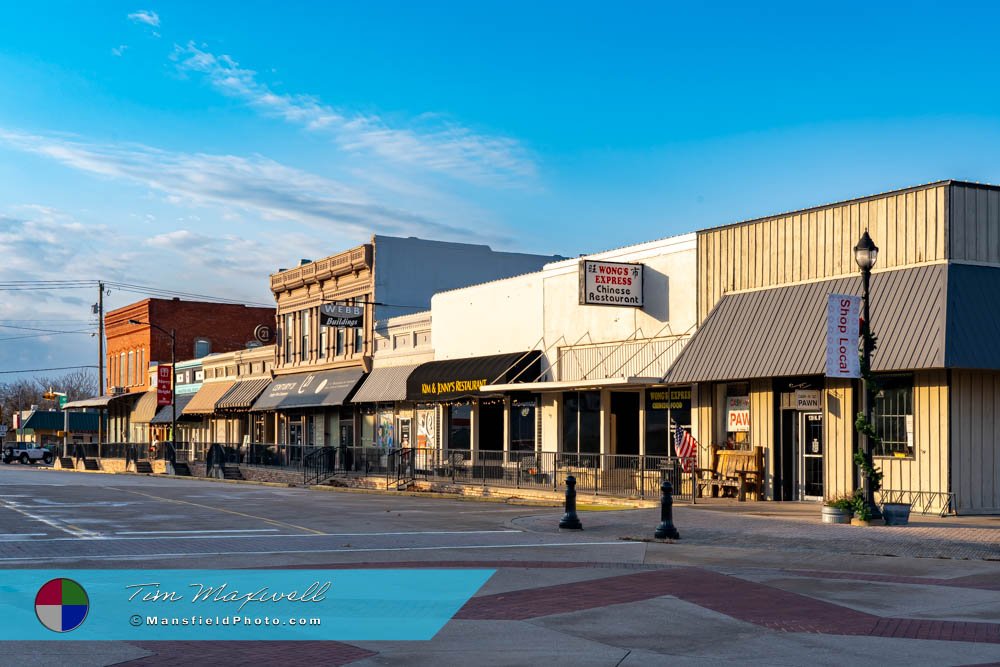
[253, 184]
[145, 16]
[430, 143]
[119, 50]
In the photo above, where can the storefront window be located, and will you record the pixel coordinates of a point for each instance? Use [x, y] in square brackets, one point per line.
[737, 416]
[582, 422]
[289, 339]
[459, 426]
[666, 409]
[522, 424]
[304, 328]
[893, 414]
[368, 429]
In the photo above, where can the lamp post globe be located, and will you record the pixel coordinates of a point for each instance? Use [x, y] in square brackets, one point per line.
[866, 253]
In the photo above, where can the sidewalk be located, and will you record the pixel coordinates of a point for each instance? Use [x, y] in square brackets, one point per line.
[793, 527]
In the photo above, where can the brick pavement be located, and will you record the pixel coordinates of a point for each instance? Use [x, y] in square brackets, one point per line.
[187, 653]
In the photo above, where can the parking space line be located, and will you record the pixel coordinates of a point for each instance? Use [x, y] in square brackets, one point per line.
[274, 522]
[78, 533]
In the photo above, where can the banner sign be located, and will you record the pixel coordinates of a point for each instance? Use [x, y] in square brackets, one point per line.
[335, 315]
[610, 284]
[842, 333]
[164, 395]
[737, 413]
[217, 605]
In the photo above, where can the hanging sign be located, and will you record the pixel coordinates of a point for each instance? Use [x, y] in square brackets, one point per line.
[610, 284]
[738, 413]
[807, 399]
[164, 395]
[336, 315]
[842, 332]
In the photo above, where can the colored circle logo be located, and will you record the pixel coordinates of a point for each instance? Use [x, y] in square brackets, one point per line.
[61, 605]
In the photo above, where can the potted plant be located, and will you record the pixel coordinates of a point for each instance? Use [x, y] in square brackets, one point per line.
[862, 515]
[896, 514]
[838, 510]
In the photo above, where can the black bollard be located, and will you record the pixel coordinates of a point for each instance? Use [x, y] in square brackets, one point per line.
[570, 520]
[666, 528]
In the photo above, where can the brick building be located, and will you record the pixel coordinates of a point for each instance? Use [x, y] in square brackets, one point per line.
[201, 329]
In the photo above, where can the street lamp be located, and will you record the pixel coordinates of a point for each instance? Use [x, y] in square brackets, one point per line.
[866, 254]
[173, 382]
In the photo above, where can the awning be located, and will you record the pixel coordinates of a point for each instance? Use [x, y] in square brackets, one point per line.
[95, 402]
[457, 378]
[145, 409]
[309, 390]
[243, 394]
[571, 385]
[54, 420]
[163, 415]
[205, 399]
[384, 384]
[781, 331]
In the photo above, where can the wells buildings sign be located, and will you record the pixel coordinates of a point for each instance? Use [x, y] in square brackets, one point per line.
[610, 284]
[336, 315]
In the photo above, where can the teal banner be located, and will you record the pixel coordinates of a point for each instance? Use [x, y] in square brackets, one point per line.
[286, 605]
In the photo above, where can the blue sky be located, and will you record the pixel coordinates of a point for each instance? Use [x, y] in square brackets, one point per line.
[200, 146]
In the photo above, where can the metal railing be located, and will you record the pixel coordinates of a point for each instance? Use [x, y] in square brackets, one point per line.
[924, 502]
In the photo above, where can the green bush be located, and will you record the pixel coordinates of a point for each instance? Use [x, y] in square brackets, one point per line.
[845, 503]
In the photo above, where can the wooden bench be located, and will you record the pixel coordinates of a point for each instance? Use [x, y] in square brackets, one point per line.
[740, 470]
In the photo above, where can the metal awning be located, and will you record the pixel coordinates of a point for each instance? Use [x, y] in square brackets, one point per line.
[95, 402]
[781, 331]
[242, 394]
[205, 399]
[145, 408]
[163, 415]
[384, 384]
[458, 378]
[572, 385]
[309, 390]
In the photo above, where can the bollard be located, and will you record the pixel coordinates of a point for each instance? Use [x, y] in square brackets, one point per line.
[570, 520]
[666, 528]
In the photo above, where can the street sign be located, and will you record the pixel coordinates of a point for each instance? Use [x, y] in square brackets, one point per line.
[62, 400]
[3, 430]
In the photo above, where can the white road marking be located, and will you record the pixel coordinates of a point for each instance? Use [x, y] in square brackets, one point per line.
[5, 535]
[221, 530]
[78, 533]
[215, 535]
[147, 556]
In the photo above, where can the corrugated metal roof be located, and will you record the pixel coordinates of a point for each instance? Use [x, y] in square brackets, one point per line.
[204, 401]
[145, 408]
[384, 384]
[243, 394]
[782, 331]
[973, 317]
[165, 413]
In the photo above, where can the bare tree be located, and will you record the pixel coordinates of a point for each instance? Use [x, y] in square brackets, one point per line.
[21, 394]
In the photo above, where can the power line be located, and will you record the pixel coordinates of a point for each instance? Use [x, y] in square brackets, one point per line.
[42, 370]
[12, 326]
[43, 335]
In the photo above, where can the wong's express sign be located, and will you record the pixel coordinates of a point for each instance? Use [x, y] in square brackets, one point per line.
[610, 284]
[842, 331]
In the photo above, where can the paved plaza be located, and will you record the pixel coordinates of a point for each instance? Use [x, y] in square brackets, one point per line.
[747, 583]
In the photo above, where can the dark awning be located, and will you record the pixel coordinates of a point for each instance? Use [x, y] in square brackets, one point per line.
[781, 331]
[243, 394]
[456, 378]
[164, 414]
[309, 390]
[54, 420]
[384, 384]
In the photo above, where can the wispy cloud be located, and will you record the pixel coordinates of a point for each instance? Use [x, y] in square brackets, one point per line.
[145, 16]
[254, 184]
[430, 143]
[119, 50]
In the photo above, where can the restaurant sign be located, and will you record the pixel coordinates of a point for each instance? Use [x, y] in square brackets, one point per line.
[737, 413]
[610, 284]
[842, 332]
[336, 315]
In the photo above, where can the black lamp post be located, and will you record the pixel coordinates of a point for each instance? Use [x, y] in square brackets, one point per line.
[866, 254]
[173, 382]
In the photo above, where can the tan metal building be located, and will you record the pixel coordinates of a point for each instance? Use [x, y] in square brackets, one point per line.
[757, 360]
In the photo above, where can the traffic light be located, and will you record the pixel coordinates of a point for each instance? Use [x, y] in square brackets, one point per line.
[49, 395]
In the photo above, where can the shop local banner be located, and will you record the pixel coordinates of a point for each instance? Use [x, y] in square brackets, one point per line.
[842, 332]
[286, 605]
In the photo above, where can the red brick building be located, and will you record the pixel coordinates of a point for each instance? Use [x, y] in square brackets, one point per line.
[201, 328]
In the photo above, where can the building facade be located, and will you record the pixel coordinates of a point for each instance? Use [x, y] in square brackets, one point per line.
[757, 360]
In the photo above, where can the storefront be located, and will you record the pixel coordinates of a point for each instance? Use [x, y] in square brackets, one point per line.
[309, 409]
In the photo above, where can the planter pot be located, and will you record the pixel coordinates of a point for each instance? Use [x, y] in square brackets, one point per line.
[860, 522]
[896, 514]
[835, 515]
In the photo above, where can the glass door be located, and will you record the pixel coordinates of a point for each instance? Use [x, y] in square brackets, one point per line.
[811, 446]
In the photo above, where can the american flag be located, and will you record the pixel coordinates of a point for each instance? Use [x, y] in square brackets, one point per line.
[685, 445]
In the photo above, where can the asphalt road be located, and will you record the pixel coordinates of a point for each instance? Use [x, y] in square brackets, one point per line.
[736, 590]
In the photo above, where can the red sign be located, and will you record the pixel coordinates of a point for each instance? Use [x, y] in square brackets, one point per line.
[164, 394]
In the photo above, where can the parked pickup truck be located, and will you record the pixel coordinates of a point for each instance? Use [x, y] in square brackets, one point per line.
[26, 452]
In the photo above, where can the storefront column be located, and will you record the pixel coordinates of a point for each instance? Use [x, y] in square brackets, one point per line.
[506, 427]
[606, 422]
[642, 422]
[551, 434]
[474, 429]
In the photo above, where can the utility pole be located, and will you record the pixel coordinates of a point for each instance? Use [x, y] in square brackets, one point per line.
[100, 359]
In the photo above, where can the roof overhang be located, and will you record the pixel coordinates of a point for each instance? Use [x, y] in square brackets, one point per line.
[564, 385]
